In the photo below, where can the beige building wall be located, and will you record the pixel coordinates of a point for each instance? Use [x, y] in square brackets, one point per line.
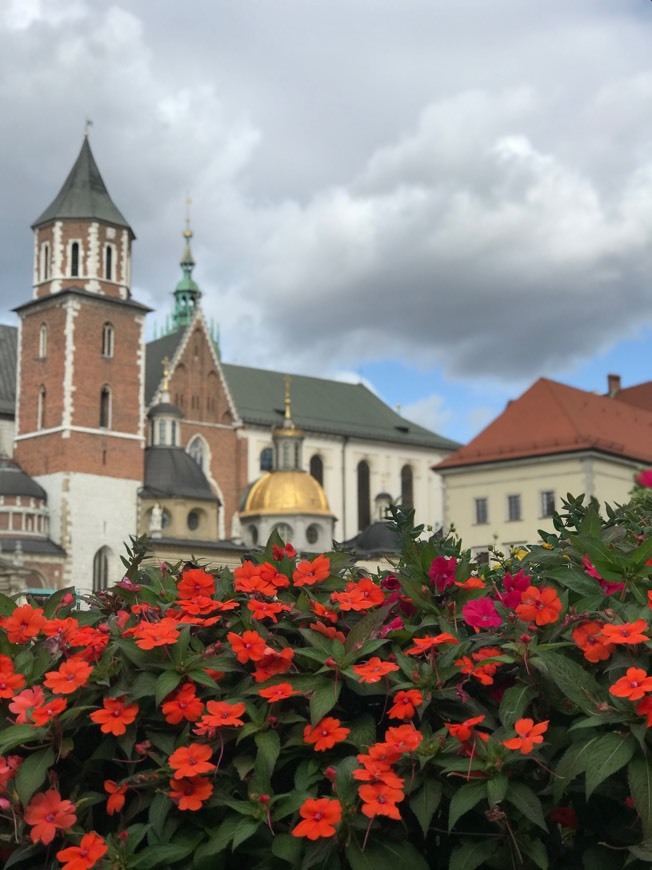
[608, 479]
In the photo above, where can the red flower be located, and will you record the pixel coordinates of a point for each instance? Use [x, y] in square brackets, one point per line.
[625, 633]
[472, 583]
[189, 761]
[644, 708]
[91, 848]
[325, 734]
[221, 713]
[115, 716]
[425, 644]
[71, 676]
[529, 734]
[323, 612]
[633, 685]
[481, 613]
[48, 711]
[588, 637]
[267, 609]
[328, 631]
[116, 794]
[405, 704]
[515, 586]
[273, 663]
[249, 646]
[152, 634]
[279, 692]
[565, 816]
[374, 670]
[183, 704]
[380, 800]
[263, 579]
[320, 815]
[362, 595]
[308, 573]
[442, 572]
[190, 792]
[541, 606]
[464, 731]
[196, 582]
[404, 738]
[24, 702]
[10, 682]
[279, 553]
[23, 624]
[644, 478]
[47, 813]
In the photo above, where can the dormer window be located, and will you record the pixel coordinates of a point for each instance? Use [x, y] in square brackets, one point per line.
[74, 260]
[108, 334]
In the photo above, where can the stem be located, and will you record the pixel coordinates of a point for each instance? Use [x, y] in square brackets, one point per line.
[366, 836]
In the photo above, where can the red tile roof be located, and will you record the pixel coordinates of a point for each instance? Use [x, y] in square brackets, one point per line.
[552, 418]
[640, 396]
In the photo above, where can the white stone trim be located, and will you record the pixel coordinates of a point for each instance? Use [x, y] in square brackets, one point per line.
[66, 430]
[72, 307]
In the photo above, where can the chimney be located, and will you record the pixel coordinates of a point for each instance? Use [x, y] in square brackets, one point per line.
[613, 385]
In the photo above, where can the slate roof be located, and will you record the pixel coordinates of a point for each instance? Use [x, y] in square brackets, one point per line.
[8, 359]
[14, 481]
[32, 546]
[378, 539]
[552, 418]
[171, 473]
[83, 195]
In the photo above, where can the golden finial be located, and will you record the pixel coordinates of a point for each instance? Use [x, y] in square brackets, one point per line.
[187, 233]
[166, 373]
[87, 127]
[288, 381]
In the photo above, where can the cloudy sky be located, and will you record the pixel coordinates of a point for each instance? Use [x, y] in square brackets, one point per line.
[444, 199]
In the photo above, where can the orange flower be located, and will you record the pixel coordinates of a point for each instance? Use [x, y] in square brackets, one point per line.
[405, 738]
[384, 753]
[71, 676]
[362, 595]
[183, 704]
[23, 624]
[47, 813]
[278, 692]
[464, 731]
[541, 606]
[323, 612]
[325, 734]
[588, 637]
[91, 639]
[116, 794]
[273, 663]
[46, 712]
[152, 634]
[249, 646]
[380, 800]
[221, 713]
[626, 632]
[644, 708]
[633, 685]
[270, 574]
[10, 682]
[374, 670]
[320, 815]
[248, 579]
[196, 582]
[190, 792]
[115, 716]
[91, 848]
[60, 628]
[267, 609]
[189, 761]
[529, 734]
[328, 631]
[25, 701]
[378, 771]
[308, 573]
[425, 644]
[405, 704]
[471, 583]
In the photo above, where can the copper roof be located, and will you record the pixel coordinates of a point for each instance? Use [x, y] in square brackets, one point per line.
[552, 418]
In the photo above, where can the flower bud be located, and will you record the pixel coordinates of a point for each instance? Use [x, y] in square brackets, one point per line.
[330, 773]
[526, 639]
[264, 799]
[67, 599]
[330, 662]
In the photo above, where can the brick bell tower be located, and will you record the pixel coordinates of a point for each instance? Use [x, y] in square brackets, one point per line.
[80, 393]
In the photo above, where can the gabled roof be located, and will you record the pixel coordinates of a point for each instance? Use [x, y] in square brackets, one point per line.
[83, 195]
[640, 395]
[551, 418]
[8, 359]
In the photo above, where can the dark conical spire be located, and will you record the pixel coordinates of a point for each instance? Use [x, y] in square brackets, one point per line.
[84, 195]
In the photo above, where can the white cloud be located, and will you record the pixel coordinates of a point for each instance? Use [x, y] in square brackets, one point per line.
[430, 412]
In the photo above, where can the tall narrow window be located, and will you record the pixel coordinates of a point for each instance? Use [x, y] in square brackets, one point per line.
[105, 408]
[74, 259]
[45, 261]
[196, 450]
[317, 469]
[513, 508]
[547, 503]
[101, 570]
[364, 498]
[266, 459]
[407, 486]
[108, 336]
[40, 414]
[108, 263]
[162, 426]
[481, 511]
[43, 341]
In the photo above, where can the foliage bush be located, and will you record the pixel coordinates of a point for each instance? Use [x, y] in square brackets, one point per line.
[295, 714]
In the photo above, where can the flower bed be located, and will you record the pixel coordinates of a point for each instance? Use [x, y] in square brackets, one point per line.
[296, 714]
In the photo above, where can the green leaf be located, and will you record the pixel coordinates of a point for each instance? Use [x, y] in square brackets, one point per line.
[50, 606]
[144, 686]
[464, 799]
[307, 774]
[22, 854]
[32, 772]
[639, 776]
[244, 764]
[496, 789]
[609, 754]
[287, 848]
[219, 840]
[158, 812]
[514, 703]
[156, 857]
[269, 747]
[525, 800]
[14, 735]
[572, 763]
[166, 683]
[363, 731]
[7, 605]
[323, 699]
[245, 829]
[536, 852]
[365, 628]
[574, 681]
[471, 854]
[425, 801]
[385, 856]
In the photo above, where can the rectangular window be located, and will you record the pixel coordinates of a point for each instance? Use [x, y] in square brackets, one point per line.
[481, 511]
[547, 503]
[513, 508]
[481, 555]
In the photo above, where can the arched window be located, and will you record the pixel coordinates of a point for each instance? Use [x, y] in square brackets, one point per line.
[196, 450]
[317, 471]
[108, 263]
[161, 432]
[74, 259]
[40, 414]
[108, 336]
[364, 501]
[266, 459]
[284, 530]
[101, 570]
[43, 341]
[407, 486]
[105, 408]
[45, 261]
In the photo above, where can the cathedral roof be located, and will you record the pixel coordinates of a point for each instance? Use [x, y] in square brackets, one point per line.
[14, 481]
[8, 356]
[378, 539]
[171, 473]
[286, 492]
[83, 195]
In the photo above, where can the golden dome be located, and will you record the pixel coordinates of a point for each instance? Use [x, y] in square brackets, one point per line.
[286, 492]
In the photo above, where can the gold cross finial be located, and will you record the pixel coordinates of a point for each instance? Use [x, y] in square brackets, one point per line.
[288, 381]
[166, 373]
[188, 232]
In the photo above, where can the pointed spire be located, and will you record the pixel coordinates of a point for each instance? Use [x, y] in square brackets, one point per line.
[84, 195]
[187, 293]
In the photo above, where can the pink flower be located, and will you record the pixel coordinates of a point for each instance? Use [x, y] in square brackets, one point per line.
[395, 625]
[442, 572]
[608, 587]
[644, 478]
[514, 588]
[481, 613]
